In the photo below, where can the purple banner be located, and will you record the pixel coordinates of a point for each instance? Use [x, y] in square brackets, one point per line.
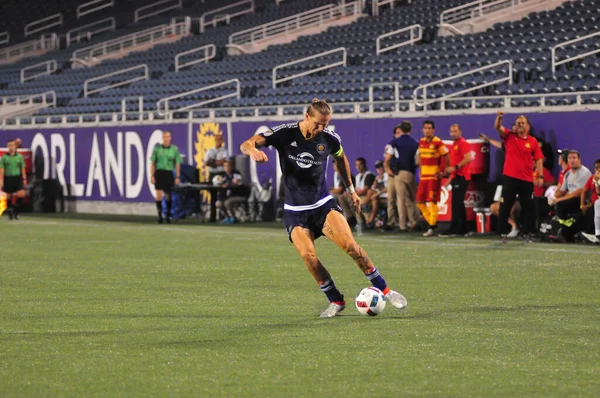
[100, 163]
[367, 137]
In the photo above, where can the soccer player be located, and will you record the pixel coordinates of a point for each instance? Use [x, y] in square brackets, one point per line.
[521, 150]
[12, 178]
[164, 159]
[309, 210]
[432, 156]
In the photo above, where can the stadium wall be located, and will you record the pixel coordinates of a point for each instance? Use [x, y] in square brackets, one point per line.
[106, 169]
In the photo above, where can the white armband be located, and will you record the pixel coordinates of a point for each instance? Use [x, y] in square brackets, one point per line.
[351, 190]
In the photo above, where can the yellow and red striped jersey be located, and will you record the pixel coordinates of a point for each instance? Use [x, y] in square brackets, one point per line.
[430, 153]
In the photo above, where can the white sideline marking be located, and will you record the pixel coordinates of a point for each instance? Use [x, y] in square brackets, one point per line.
[219, 230]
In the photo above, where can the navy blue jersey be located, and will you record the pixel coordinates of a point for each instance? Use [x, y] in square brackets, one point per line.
[303, 163]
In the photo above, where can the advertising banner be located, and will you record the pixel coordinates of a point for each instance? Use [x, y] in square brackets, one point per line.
[100, 163]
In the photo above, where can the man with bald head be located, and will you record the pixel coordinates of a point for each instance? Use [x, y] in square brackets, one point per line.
[459, 172]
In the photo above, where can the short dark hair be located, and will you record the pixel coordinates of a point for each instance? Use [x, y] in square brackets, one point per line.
[597, 161]
[429, 122]
[405, 127]
[576, 152]
[362, 160]
[9, 141]
[320, 106]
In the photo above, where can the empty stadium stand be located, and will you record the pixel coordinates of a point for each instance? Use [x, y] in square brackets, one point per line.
[527, 43]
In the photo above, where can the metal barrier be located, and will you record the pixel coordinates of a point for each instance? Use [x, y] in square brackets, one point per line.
[164, 102]
[376, 4]
[475, 9]
[91, 29]
[43, 24]
[210, 51]
[224, 14]
[310, 18]
[48, 41]
[396, 86]
[424, 87]
[47, 98]
[120, 43]
[139, 99]
[4, 38]
[555, 63]
[93, 6]
[311, 71]
[146, 76]
[416, 34]
[50, 67]
[169, 5]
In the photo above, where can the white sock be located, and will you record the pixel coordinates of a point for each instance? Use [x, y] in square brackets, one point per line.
[597, 216]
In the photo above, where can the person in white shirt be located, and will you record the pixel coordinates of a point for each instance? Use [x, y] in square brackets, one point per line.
[214, 160]
[378, 194]
[364, 181]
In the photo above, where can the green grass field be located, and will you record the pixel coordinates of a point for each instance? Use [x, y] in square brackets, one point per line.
[105, 308]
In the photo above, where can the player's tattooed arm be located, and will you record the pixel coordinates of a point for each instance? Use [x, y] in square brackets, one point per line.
[251, 147]
[343, 167]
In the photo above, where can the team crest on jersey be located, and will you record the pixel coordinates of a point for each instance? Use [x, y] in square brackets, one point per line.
[431, 146]
[528, 145]
[321, 148]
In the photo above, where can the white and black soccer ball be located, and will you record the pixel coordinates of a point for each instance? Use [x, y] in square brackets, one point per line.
[370, 301]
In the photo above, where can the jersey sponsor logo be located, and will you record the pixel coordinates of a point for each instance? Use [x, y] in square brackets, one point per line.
[321, 148]
[305, 160]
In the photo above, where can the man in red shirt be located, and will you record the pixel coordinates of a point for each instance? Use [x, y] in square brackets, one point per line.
[459, 171]
[592, 208]
[521, 150]
[563, 162]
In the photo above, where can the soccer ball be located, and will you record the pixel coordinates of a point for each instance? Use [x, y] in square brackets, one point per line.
[370, 301]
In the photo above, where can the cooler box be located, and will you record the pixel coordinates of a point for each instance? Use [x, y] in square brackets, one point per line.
[483, 220]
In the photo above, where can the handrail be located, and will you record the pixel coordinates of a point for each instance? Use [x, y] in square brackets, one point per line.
[131, 40]
[376, 4]
[4, 38]
[146, 76]
[210, 51]
[137, 17]
[424, 87]
[45, 42]
[218, 16]
[414, 38]
[85, 29]
[47, 98]
[53, 20]
[318, 69]
[89, 9]
[165, 101]
[140, 101]
[476, 9]
[396, 86]
[555, 63]
[478, 106]
[314, 17]
[51, 67]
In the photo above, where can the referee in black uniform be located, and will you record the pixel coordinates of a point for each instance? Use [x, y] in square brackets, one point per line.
[165, 158]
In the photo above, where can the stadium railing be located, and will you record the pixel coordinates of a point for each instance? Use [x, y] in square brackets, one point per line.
[50, 67]
[315, 17]
[44, 24]
[210, 51]
[416, 34]
[377, 4]
[4, 38]
[93, 6]
[226, 13]
[164, 102]
[139, 99]
[157, 8]
[556, 63]
[375, 109]
[47, 42]
[342, 62]
[422, 100]
[144, 76]
[47, 98]
[477, 9]
[395, 85]
[89, 30]
[121, 43]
